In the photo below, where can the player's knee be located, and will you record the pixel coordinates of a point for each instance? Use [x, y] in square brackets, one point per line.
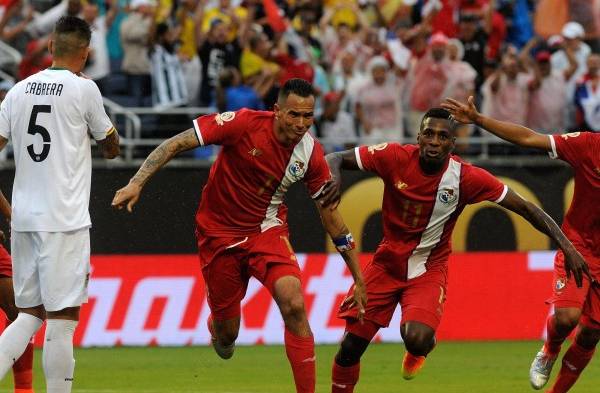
[292, 309]
[566, 319]
[226, 334]
[588, 338]
[351, 350]
[419, 342]
[227, 337]
[10, 310]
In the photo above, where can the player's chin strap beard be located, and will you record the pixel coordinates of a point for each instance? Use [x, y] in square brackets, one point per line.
[431, 166]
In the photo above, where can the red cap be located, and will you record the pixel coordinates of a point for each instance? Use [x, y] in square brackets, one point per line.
[542, 55]
[438, 39]
[332, 96]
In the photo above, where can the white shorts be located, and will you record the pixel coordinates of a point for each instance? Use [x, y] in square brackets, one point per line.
[51, 268]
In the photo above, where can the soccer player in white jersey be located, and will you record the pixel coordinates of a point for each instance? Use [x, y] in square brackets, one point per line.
[50, 117]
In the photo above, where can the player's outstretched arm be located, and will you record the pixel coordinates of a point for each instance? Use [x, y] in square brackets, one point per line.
[344, 243]
[544, 223]
[109, 146]
[130, 194]
[511, 132]
[330, 197]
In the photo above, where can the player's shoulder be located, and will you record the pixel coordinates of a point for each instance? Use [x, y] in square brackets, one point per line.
[255, 114]
[245, 114]
[578, 135]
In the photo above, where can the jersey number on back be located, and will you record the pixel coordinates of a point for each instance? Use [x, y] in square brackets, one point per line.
[37, 129]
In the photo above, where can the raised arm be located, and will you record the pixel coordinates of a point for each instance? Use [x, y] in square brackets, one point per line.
[511, 132]
[574, 262]
[344, 243]
[130, 194]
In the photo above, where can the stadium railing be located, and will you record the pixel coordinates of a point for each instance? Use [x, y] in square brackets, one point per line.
[10, 58]
[138, 126]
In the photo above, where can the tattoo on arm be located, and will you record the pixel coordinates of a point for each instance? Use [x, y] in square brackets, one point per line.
[162, 154]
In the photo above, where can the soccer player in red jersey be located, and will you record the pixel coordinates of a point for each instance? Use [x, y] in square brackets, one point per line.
[23, 367]
[425, 190]
[573, 305]
[242, 221]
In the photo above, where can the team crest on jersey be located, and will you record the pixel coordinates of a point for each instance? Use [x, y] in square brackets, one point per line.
[597, 170]
[571, 135]
[373, 148]
[221, 118]
[401, 185]
[447, 195]
[297, 169]
[560, 284]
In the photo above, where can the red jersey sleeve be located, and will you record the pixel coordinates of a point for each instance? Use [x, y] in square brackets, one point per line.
[221, 128]
[570, 147]
[318, 171]
[479, 185]
[380, 159]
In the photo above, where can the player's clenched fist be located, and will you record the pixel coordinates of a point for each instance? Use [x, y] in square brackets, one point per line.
[127, 196]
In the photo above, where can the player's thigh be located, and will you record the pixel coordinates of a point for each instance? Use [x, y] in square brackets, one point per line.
[271, 258]
[226, 280]
[5, 263]
[423, 299]
[565, 293]
[64, 268]
[590, 316]
[383, 293]
[26, 253]
[7, 298]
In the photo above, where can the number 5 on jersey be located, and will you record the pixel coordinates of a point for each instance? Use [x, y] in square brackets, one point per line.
[35, 128]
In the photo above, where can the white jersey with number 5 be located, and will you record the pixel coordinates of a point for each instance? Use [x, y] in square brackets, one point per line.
[48, 116]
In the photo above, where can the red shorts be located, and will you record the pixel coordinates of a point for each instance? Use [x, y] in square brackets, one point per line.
[421, 299]
[229, 262]
[5, 263]
[567, 295]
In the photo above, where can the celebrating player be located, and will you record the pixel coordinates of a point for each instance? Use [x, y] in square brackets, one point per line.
[242, 220]
[426, 189]
[573, 305]
[23, 367]
[49, 118]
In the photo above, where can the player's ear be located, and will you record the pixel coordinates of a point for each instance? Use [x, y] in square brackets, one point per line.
[276, 110]
[51, 46]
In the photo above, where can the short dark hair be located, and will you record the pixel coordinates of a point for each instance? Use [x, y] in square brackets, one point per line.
[439, 113]
[296, 86]
[71, 34]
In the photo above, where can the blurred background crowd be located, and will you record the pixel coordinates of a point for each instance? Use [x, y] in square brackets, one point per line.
[377, 65]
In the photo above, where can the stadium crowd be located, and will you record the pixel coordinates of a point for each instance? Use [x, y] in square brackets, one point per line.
[377, 65]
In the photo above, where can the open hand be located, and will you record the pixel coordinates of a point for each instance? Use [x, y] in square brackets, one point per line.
[358, 299]
[575, 264]
[464, 113]
[331, 195]
[127, 196]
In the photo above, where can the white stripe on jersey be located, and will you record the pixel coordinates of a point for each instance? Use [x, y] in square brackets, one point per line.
[553, 153]
[198, 133]
[442, 210]
[358, 160]
[302, 153]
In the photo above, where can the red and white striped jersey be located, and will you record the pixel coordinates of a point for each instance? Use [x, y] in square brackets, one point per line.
[419, 210]
[582, 222]
[246, 185]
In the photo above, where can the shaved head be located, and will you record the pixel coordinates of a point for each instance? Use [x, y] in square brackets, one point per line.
[70, 36]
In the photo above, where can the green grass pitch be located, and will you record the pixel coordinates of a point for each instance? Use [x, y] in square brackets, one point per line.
[453, 367]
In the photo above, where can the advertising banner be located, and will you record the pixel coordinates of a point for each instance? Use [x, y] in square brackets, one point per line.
[160, 300]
